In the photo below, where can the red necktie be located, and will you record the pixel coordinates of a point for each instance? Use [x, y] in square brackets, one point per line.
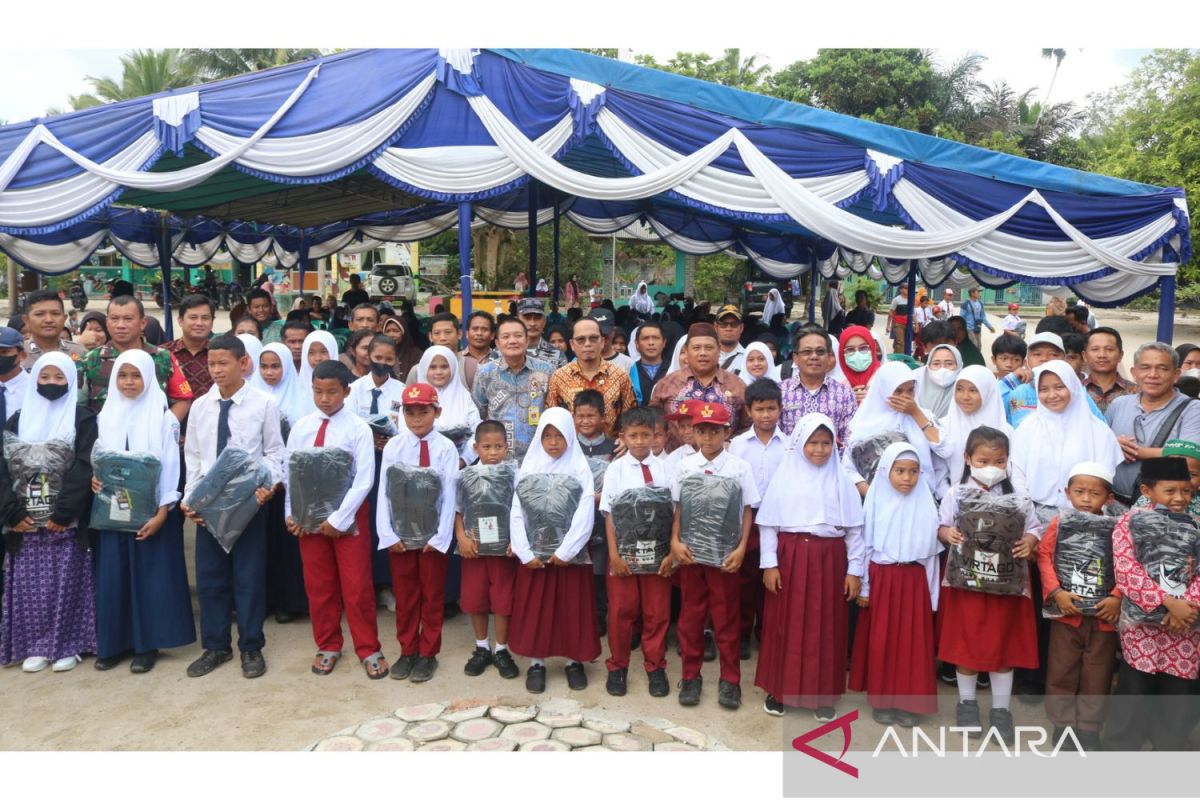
[708, 472]
[320, 440]
[424, 458]
[646, 476]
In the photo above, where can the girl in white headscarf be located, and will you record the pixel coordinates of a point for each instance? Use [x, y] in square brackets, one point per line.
[677, 356]
[49, 593]
[641, 302]
[276, 375]
[773, 306]
[812, 554]
[890, 407]
[254, 349]
[318, 346]
[760, 363]
[935, 380]
[557, 597]
[836, 373]
[976, 402]
[439, 368]
[142, 597]
[894, 638]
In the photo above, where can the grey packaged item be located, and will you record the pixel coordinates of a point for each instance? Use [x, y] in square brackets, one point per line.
[318, 480]
[225, 496]
[1166, 545]
[710, 509]
[415, 503]
[992, 525]
[485, 495]
[548, 503]
[37, 470]
[865, 455]
[598, 465]
[1083, 560]
[457, 434]
[642, 518]
[128, 497]
[381, 425]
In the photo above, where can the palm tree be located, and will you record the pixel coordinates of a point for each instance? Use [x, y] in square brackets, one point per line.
[1058, 54]
[743, 74]
[216, 63]
[143, 72]
[954, 87]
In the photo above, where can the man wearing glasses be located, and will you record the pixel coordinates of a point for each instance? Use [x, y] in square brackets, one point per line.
[812, 389]
[512, 390]
[590, 370]
[732, 357]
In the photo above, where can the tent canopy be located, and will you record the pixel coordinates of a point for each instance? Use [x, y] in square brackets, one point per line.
[366, 146]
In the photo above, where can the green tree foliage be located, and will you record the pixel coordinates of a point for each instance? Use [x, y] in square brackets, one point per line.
[214, 63]
[891, 86]
[143, 72]
[729, 69]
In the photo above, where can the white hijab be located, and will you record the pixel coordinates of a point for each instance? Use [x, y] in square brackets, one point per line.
[802, 495]
[675, 366]
[957, 425]
[875, 416]
[42, 419]
[773, 306]
[1048, 444]
[455, 402]
[836, 373]
[254, 349]
[136, 421]
[287, 391]
[642, 302]
[937, 399]
[772, 368]
[571, 462]
[304, 381]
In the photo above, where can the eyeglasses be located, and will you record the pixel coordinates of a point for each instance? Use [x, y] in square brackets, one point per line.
[593, 339]
[862, 348]
[813, 353]
[729, 322]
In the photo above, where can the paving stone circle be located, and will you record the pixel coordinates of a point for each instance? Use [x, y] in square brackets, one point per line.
[503, 725]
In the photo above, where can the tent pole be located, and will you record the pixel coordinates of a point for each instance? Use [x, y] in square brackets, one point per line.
[303, 265]
[1166, 309]
[554, 296]
[464, 261]
[533, 235]
[912, 298]
[813, 280]
[164, 269]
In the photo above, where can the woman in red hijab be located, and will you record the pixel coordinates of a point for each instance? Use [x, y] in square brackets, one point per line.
[858, 353]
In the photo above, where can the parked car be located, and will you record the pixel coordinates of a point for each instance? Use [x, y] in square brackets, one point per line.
[754, 296]
[391, 282]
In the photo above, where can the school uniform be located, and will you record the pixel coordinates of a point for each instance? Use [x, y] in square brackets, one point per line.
[487, 583]
[234, 580]
[764, 460]
[367, 400]
[337, 570]
[634, 597]
[601, 447]
[419, 576]
[707, 591]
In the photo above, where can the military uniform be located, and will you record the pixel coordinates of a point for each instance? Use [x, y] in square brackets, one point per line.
[97, 367]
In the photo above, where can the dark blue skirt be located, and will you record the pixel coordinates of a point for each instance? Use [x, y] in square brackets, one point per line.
[381, 571]
[285, 571]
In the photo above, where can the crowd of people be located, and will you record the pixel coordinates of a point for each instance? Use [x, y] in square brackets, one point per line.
[870, 522]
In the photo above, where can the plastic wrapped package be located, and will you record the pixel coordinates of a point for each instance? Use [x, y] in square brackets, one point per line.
[457, 434]
[1167, 546]
[415, 503]
[485, 494]
[865, 455]
[642, 518]
[318, 480]
[128, 497]
[1083, 560]
[548, 503]
[225, 496]
[37, 470]
[710, 508]
[992, 525]
[598, 465]
[381, 425]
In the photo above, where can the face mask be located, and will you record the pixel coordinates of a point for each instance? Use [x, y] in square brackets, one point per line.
[989, 476]
[941, 377]
[380, 370]
[8, 362]
[1188, 373]
[859, 362]
[52, 391]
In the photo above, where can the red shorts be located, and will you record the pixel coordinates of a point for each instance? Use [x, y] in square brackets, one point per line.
[487, 585]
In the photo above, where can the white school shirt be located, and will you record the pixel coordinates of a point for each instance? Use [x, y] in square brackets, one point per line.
[518, 537]
[253, 427]
[673, 458]
[391, 399]
[738, 365]
[727, 466]
[14, 394]
[350, 433]
[168, 457]
[948, 510]
[404, 448]
[626, 473]
[764, 459]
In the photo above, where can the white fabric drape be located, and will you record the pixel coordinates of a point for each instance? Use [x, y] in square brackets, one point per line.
[52, 258]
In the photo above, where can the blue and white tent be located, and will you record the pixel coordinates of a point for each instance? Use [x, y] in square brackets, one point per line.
[361, 147]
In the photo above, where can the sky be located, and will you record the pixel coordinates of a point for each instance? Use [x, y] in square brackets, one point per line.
[39, 79]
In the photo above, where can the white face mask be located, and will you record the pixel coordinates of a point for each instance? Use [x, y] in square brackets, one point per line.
[1192, 373]
[941, 377]
[989, 476]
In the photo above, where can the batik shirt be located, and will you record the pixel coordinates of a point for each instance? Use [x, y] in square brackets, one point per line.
[515, 399]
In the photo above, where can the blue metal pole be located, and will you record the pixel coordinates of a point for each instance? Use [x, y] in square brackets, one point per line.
[1166, 309]
[554, 297]
[164, 269]
[814, 279]
[912, 299]
[464, 260]
[533, 235]
[303, 265]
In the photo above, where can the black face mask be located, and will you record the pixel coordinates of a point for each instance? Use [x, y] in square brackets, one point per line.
[7, 363]
[52, 391]
[380, 370]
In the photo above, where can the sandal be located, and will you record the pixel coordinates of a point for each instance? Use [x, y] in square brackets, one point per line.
[376, 666]
[325, 661]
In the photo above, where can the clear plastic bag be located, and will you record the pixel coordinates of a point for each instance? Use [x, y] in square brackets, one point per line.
[710, 508]
[225, 496]
[1167, 546]
[548, 503]
[128, 497]
[457, 434]
[865, 455]
[1083, 560]
[485, 494]
[598, 465]
[642, 518]
[415, 503]
[381, 425]
[318, 480]
[992, 525]
[37, 470]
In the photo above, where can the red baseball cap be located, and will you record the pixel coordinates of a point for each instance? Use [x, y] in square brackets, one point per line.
[711, 413]
[420, 394]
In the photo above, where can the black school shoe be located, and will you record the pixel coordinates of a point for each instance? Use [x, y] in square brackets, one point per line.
[576, 677]
[481, 659]
[143, 662]
[773, 706]
[616, 683]
[981, 680]
[689, 691]
[710, 647]
[505, 664]
[729, 695]
[403, 667]
[1001, 720]
[423, 670]
[207, 662]
[947, 674]
[105, 664]
[535, 679]
[966, 715]
[253, 664]
[659, 685]
[884, 716]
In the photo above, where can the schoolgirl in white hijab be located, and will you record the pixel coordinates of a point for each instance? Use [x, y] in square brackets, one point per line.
[957, 425]
[642, 302]
[287, 391]
[42, 419]
[254, 349]
[571, 462]
[675, 363]
[876, 416]
[141, 424]
[772, 368]
[773, 306]
[1048, 443]
[457, 406]
[836, 373]
[304, 382]
[935, 387]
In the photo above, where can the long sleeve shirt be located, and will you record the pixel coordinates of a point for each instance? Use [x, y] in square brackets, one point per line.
[833, 398]
[168, 457]
[764, 459]
[390, 402]
[347, 431]
[974, 314]
[405, 448]
[575, 540]
[1045, 563]
[253, 427]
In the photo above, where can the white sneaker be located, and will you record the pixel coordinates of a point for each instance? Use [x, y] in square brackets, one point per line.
[66, 664]
[385, 598]
[35, 664]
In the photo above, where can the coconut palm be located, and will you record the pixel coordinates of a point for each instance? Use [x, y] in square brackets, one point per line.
[143, 72]
[216, 62]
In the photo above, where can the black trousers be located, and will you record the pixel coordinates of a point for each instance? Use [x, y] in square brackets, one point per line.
[234, 580]
[1158, 707]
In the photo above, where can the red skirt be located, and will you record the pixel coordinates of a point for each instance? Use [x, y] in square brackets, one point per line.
[554, 613]
[803, 657]
[893, 643]
[986, 632]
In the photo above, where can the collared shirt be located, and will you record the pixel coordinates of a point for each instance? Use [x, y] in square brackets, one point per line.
[346, 430]
[391, 399]
[194, 366]
[626, 473]
[33, 352]
[734, 360]
[253, 427]
[1102, 398]
[681, 386]
[764, 459]
[610, 380]
[543, 352]
[726, 465]
[97, 366]
[621, 360]
[471, 365]
[833, 398]
[14, 394]
[975, 316]
[405, 448]
[1127, 417]
[514, 399]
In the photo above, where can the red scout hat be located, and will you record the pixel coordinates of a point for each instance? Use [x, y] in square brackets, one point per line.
[420, 394]
[711, 413]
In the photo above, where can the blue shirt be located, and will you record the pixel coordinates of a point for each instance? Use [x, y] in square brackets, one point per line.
[975, 316]
[514, 399]
[1022, 401]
